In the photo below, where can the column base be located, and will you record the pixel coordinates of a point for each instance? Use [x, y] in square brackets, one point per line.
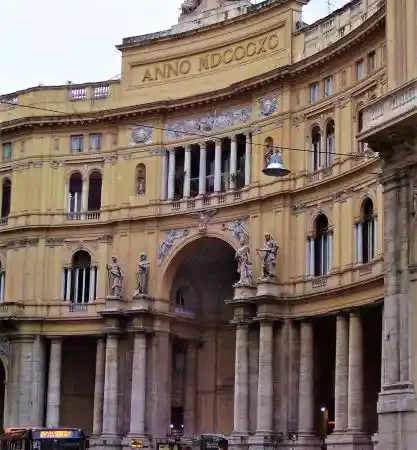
[349, 440]
[397, 416]
[306, 441]
[238, 441]
[133, 440]
[106, 442]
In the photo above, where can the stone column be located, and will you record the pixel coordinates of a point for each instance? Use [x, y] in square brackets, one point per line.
[138, 394]
[171, 174]
[306, 383]
[241, 391]
[110, 403]
[265, 379]
[38, 381]
[248, 152]
[218, 166]
[233, 161]
[341, 373]
[54, 384]
[187, 171]
[164, 175]
[190, 389]
[202, 169]
[355, 386]
[99, 387]
[84, 195]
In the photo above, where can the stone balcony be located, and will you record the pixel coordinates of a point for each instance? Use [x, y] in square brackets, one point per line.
[392, 115]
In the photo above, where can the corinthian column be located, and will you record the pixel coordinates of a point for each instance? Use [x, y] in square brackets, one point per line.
[171, 174]
[355, 387]
[54, 384]
[202, 169]
[187, 171]
[248, 159]
[341, 373]
[241, 392]
[99, 387]
[110, 404]
[306, 386]
[233, 161]
[218, 166]
[265, 380]
[138, 394]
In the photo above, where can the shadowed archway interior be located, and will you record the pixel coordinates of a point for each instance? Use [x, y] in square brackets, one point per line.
[203, 281]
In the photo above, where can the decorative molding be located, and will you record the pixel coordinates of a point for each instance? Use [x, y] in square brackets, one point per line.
[141, 134]
[159, 151]
[298, 119]
[172, 238]
[189, 6]
[126, 155]
[280, 123]
[54, 242]
[268, 105]
[342, 194]
[26, 242]
[111, 160]
[26, 165]
[73, 243]
[237, 227]
[216, 121]
[56, 163]
[204, 218]
[300, 207]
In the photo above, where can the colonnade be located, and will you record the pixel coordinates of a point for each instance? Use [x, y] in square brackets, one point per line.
[169, 167]
[349, 402]
[74, 283]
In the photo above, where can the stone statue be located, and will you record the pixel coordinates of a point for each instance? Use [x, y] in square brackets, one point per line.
[268, 255]
[244, 263]
[116, 276]
[189, 6]
[142, 275]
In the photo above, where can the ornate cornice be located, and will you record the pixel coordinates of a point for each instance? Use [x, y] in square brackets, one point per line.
[288, 72]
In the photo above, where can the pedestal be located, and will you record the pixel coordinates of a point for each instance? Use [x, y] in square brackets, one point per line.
[132, 441]
[268, 286]
[260, 441]
[306, 442]
[114, 303]
[104, 442]
[141, 302]
[349, 441]
[244, 292]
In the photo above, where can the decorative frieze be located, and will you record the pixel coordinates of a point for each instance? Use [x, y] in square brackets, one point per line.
[141, 134]
[299, 207]
[27, 242]
[54, 242]
[203, 219]
[158, 151]
[171, 238]
[216, 121]
[55, 164]
[26, 165]
[238, 228]
[268, 105]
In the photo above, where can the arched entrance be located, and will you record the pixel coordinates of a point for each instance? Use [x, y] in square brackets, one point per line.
[205, 271]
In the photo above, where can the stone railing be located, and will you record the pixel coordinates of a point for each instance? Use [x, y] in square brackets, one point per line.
[394, 105]
[328, 30]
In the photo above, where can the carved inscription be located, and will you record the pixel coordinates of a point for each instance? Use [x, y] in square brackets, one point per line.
[204, 63]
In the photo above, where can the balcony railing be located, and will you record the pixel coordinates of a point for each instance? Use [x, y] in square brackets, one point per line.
[182, 311]
[79, 215]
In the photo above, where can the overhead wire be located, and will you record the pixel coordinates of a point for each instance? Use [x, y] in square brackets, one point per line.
[181, 132]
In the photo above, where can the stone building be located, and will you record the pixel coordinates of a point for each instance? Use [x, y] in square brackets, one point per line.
[140, 297]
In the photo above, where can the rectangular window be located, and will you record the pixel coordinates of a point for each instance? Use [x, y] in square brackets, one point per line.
[314, 92]
[371, 62]
[95, 142]
[77, 144]
[328, 86]
[360, 69]
[7, 151]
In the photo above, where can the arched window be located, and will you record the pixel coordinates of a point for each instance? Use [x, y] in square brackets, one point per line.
[6, 197]
[319, 248]
[366, 233]
[330, 142]
[359, 128]
[140, 179]
[316, 148]
[268, 149]
[75, 192]
[94, 191]
[79, 284]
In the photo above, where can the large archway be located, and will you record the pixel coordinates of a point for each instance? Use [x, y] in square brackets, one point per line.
[203, 279]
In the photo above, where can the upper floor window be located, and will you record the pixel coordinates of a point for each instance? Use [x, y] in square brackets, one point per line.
[314, 92]
[7, 149]
[320, 248]
[371, 62]
[6, 197]
[94, 191]
[75, 190]
[79, 280]
[330, 142]
[366, 233]
[316, 148]
[361, 145]
[141, 179]
[95, 142]
[328, 88]
[2, 282]
[77, 144]
[360, 69]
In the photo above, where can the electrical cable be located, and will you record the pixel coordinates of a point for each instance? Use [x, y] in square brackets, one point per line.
[190, 133]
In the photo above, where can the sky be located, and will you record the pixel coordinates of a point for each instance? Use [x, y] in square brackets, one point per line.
[55, 41]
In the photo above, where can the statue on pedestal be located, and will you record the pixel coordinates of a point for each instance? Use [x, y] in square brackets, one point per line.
[244, 263]
[268, 256]
[116, 275]
[142, 275]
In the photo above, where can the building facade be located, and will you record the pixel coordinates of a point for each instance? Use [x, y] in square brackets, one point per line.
[117, 313]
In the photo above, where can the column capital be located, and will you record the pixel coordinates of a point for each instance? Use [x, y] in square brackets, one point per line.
[240, 322]
[187, 148]
[171, 150]
[203, 145]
